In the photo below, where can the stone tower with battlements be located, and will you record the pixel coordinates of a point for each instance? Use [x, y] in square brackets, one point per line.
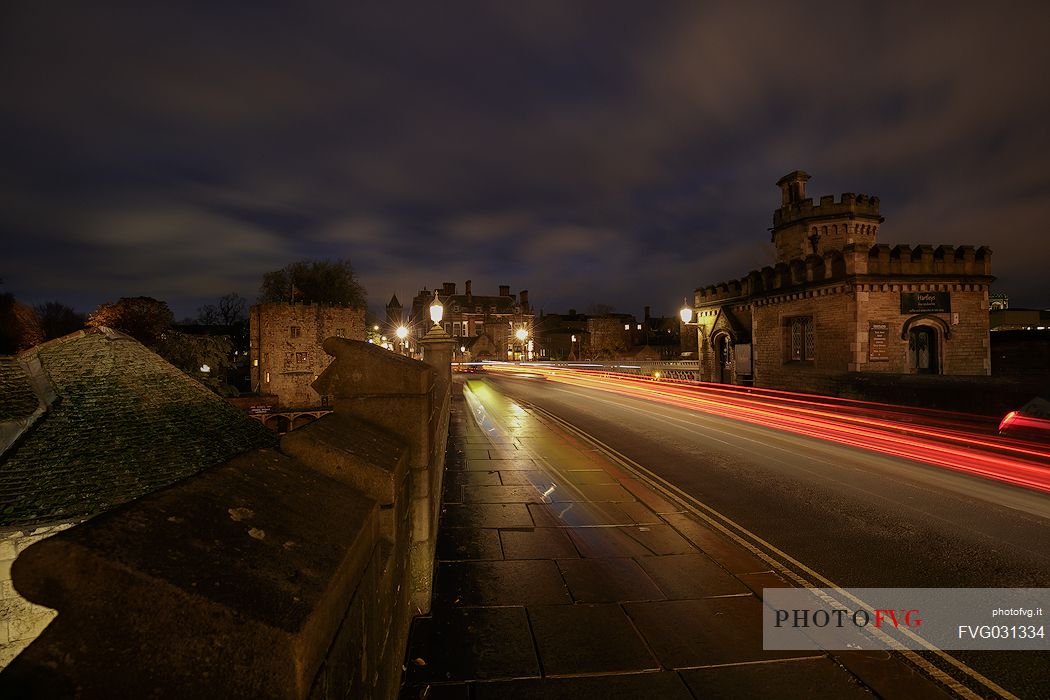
[801, 228]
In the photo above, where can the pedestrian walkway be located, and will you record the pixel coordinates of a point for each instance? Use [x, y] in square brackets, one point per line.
[561, 575]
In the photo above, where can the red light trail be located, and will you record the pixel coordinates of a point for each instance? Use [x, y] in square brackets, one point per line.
[947, 440]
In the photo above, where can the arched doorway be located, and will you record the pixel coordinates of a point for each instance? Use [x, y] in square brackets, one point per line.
[723, 347]
[923, 350]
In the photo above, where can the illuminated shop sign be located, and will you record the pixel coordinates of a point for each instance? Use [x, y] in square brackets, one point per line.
[926, 302]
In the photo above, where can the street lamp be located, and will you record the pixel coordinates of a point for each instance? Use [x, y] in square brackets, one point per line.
[686, 313]
[521, 334]
[436, 310]
[401, 334]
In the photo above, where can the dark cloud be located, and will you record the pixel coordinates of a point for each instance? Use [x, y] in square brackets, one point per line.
[592, 152]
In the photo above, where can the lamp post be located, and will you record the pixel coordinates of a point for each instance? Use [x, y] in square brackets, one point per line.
[686, 315]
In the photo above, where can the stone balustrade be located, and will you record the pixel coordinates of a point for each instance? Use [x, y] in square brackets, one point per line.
[288, 573]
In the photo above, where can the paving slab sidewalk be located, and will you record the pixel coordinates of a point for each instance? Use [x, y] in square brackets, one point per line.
[560, 575]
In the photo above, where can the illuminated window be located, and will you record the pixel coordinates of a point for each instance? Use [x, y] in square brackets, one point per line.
[267, 377]
[294, 331]
[255, 363]
[627, 326]
[639, 326]
[800, 342]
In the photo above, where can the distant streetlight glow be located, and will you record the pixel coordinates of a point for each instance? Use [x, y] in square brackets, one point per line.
[521, 334]
[401, 332]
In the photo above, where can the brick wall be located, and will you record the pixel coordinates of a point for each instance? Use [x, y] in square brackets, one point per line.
[832, 311]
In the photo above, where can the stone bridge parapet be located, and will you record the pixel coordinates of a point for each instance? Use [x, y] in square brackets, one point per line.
[289, 573]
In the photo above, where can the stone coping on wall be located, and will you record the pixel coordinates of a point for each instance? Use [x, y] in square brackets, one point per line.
[251, 564]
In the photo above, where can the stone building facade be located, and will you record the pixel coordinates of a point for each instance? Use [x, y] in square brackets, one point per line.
[286, 354]
[837, 302]
[467, 316]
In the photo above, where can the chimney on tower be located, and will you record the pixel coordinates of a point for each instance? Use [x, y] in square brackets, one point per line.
[525, 300]
[470, 296]
[504, 290]
[449, 288]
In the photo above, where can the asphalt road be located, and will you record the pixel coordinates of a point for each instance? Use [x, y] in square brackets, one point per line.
[859, 519]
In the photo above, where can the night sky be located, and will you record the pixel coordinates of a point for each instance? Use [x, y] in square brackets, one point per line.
[591, 152]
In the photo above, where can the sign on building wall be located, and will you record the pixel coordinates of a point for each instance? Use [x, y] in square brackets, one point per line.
[742, 358]
[926, 302]
[878, 341]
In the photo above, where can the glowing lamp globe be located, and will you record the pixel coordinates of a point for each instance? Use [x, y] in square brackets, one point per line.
[436, 310]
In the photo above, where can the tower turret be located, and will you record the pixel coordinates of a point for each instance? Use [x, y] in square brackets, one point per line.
[801, 229]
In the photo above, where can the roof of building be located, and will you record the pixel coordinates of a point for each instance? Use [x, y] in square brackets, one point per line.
[119, 422]
[19, 401]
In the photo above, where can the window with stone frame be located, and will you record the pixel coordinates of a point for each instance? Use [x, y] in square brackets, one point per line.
[294, 331]
[799, 340]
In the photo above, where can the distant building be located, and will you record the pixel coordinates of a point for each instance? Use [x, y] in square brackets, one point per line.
[1006, 319]
[90, 421]
[286, 354]
[607, 336]
[468, 316]
[838, 302]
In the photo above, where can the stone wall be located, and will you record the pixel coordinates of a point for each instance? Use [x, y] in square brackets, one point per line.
[290, 573]
[20, 620]
[845, 292]
[286, 355]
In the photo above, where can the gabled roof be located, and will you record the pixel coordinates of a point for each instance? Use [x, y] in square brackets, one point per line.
[117, 422]
[394, 303]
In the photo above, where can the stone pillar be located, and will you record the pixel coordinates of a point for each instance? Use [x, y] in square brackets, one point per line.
[437, 352]
[426, 483]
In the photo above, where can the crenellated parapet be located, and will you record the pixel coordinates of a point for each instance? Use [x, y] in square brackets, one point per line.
[925, 261]
[929, 260]
[849, 206]
[802, 228]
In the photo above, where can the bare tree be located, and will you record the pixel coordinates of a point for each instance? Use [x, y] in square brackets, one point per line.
[143, 318]
[231, 308]
[57, 319]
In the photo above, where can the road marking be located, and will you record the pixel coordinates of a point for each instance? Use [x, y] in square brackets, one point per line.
[719, 521]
